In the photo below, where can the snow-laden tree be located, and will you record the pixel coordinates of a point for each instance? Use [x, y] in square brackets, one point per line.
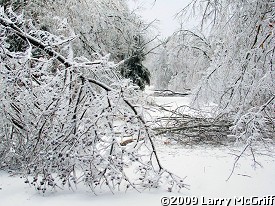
[158, 65]
[103, 27]
[240, 78]
[182, 60]
[65, 120]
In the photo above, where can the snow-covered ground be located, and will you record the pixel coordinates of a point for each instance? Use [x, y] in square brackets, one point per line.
[206, 169]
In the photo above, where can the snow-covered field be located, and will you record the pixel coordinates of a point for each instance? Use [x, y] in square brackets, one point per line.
[206, 169]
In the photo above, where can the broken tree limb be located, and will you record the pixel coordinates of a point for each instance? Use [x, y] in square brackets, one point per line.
[51, 52]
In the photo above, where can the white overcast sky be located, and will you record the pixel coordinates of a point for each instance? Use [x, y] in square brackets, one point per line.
[163, 10]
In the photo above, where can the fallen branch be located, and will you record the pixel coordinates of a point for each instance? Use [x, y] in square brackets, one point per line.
[168, 92]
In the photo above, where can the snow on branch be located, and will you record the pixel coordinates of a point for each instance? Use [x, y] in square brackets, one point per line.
[63, 121]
